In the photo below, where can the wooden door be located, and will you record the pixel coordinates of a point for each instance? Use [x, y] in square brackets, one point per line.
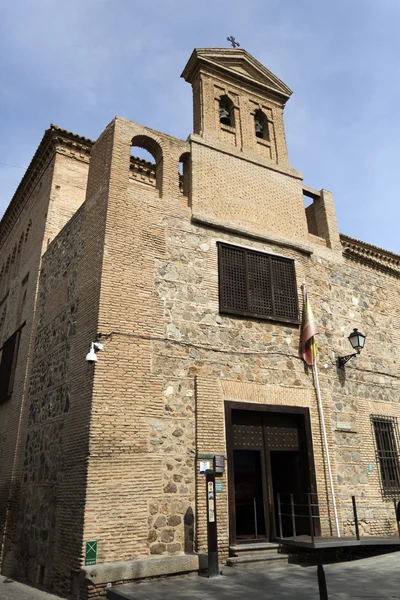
[269, 452]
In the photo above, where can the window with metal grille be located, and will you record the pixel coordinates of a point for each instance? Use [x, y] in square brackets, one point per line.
[256, 284]
[386, 434]
[8, 364]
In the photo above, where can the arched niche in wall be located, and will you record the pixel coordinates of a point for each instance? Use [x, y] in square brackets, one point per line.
[226, 111]
[28, 230]
[261, 125]
[21, 307]
[147, 161]
[20, 243]
[13, 265]
[184, 173]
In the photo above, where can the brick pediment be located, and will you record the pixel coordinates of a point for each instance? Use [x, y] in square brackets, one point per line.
[238, 64]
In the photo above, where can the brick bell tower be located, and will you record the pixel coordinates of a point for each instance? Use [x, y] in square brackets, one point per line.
[238, 102]
[240, 168]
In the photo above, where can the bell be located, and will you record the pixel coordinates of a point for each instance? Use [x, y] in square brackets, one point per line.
[224, 116]
[259, 129]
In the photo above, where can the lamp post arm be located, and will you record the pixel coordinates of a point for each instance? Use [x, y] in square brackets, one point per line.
[342, 360]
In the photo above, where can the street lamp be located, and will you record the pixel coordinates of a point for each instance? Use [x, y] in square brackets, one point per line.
[357, 340]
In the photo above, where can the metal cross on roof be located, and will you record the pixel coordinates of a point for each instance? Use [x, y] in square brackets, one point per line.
[233, 42]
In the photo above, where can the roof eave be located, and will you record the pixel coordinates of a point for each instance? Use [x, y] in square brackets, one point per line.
[197, 59]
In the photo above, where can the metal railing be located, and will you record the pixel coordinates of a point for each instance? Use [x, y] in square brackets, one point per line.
[366, 511]
[253, 514]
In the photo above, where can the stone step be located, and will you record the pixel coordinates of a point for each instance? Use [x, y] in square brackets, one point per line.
[254, 548]
[257, 560]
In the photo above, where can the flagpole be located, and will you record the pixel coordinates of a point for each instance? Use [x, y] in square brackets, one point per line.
[324, 436]
[328, 460]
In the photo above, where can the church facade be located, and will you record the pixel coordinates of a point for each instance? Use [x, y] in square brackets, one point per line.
[189, 271]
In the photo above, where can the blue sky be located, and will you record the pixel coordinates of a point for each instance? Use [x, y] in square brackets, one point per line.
[79, 63]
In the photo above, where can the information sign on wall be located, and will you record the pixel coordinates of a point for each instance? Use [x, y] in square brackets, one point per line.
[91, 553]
[219, 464]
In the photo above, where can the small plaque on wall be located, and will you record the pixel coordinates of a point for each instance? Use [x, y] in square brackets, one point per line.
[204, 465]
[343, 426]
[219, 464]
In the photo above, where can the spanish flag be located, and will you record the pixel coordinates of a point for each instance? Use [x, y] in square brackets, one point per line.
[308, 331]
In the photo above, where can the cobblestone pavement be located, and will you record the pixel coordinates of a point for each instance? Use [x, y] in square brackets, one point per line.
[375, 578]
[13, 590]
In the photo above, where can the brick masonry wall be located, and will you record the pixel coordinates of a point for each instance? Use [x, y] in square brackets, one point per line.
[50, 405]
[111, 450]
[18, 279]
[237, 177]
[167, 343]
[46, 211]
[244, 192]
[150, 469]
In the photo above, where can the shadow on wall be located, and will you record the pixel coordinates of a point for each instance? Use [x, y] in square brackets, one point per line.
[189, 530]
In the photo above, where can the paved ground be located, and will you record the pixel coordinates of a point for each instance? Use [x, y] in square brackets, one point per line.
[376, 578]
[13, 590]
[371, 578]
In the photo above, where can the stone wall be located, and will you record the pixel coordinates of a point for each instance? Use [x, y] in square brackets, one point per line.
[60, 394]
[18, 293]
[166, 344]
[49, 403]
[149, 449]
[45, 200]
[112, 449]
[216, 349]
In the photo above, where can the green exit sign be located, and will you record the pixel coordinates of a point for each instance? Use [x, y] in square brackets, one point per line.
[91, 553]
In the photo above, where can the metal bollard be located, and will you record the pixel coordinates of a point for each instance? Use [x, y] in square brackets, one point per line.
[212, 537]
[293, 515]
[280, 516]
[310, 516]
[353, 499]
[397, 513]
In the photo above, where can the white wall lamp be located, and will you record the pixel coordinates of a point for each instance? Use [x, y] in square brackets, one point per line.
[357, 340]
[91, 356]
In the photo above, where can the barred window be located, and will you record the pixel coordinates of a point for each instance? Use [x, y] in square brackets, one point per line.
[256, 284]
[8, 364]
[386, 434]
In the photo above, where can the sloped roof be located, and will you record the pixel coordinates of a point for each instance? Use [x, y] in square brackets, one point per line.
[362, 252]
[44, 152]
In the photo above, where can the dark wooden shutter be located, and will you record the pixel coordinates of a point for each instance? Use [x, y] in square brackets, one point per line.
[257, 284]
[259, 277]
[232, 279]
[8, 365]
[284, 288]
